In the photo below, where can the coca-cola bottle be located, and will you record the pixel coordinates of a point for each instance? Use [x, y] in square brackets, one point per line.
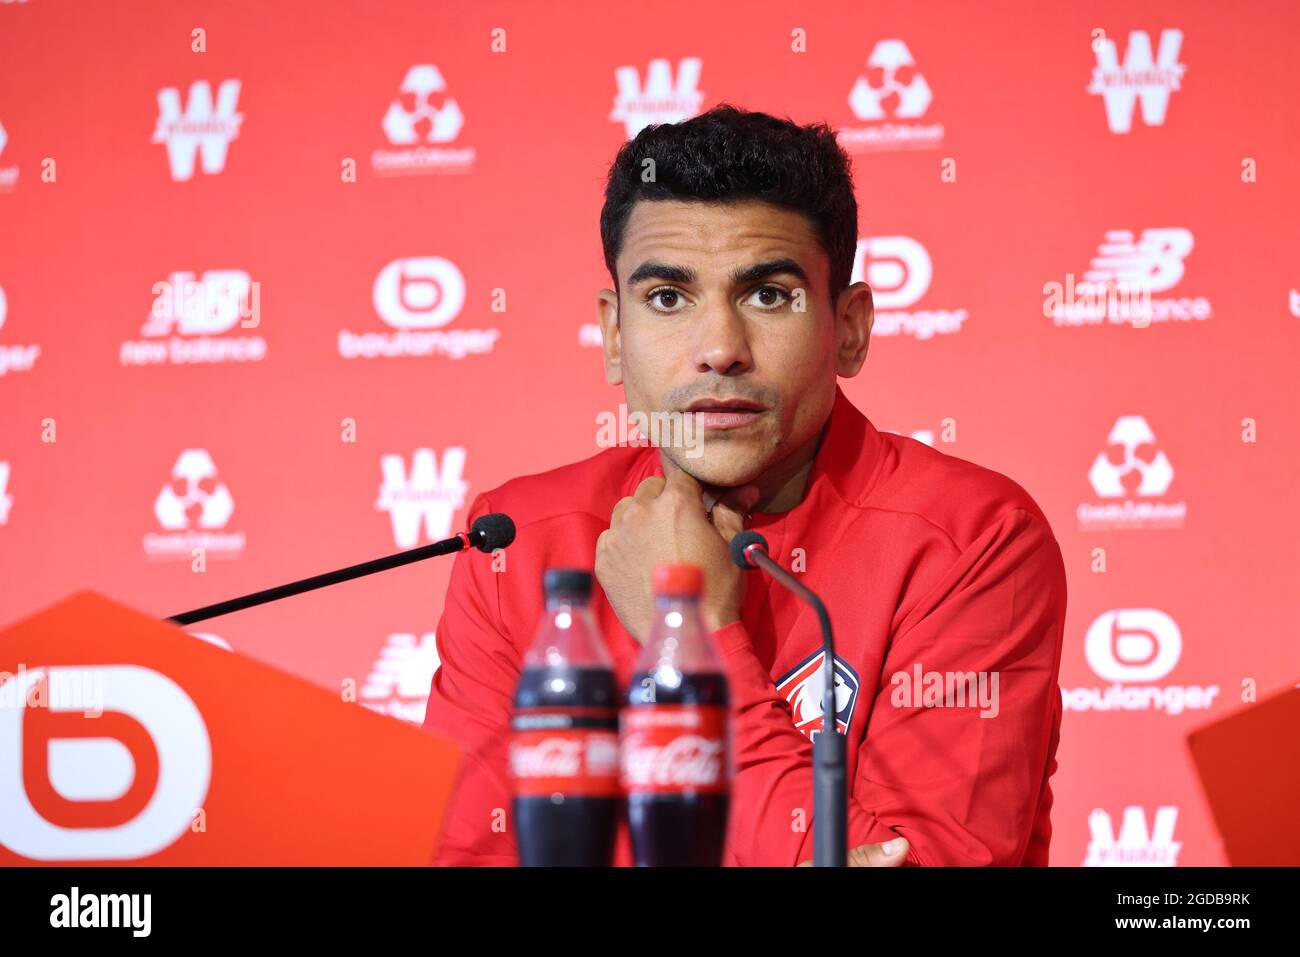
[564, 735]
[675, 754]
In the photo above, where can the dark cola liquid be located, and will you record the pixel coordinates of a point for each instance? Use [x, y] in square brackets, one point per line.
[678, 830]
[564, 830]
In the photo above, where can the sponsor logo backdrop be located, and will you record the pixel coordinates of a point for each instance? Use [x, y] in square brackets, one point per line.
[294, 288]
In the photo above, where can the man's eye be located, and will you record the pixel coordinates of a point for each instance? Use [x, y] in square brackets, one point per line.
[665, 299]
[768, 297]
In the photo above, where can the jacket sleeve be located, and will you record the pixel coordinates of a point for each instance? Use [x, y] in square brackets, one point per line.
[470, 703]
[964, 785]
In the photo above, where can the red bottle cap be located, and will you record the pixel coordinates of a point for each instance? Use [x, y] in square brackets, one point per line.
[679, 578]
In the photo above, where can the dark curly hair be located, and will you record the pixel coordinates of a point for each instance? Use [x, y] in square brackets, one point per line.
[727, 154]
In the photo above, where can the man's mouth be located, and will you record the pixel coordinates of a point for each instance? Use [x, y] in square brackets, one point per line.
[712, 413]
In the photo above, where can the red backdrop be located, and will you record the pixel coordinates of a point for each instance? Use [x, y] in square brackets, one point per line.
[403, 199]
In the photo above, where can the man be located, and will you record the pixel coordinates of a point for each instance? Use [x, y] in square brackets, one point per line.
[730, 240]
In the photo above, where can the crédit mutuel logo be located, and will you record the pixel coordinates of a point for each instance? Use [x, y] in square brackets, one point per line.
[889, 101]
[899, 271]
[422, 126]
[416, 297]
[1134, 649]
[1131, 475]
[1123, 282]
[190, 316]
[193, 509]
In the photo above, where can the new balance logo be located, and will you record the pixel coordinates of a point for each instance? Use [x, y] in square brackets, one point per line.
[398, 683]
[663, 99]
[1140, 77]
[428, 496]
[203, 130]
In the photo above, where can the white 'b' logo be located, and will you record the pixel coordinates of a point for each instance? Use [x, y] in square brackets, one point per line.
[1133, 644]
[419, 293]
[897, 268]
[103, 768]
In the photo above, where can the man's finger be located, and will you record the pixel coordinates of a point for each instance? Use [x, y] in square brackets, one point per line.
[876, 855]
[650, 487]
[891, 853]
[680, 478]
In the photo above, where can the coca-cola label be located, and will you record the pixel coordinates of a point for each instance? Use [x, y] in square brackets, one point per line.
[557, 752]
[675, 749]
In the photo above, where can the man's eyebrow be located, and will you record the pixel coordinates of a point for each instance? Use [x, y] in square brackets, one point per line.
[771, 267]
[664, 271]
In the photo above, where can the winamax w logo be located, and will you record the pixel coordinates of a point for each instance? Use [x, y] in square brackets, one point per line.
[899, 271]
[1137, 845]
[193, 508]
[1133, 648]
[892, 90]
[1122, 283]
[15, 358]
[398, 683]
[422, 118]
[663, 99]
[416, 297]
[428, 496]
[202, 130]
[6, 500]
[1130, 469]
[1140, 77]
[8, 174]
[188, 316]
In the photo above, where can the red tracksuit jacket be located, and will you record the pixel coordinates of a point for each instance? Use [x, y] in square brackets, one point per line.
[927, 564]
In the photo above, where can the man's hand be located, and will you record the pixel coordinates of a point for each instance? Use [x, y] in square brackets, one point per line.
[665, 521]
[891, 853]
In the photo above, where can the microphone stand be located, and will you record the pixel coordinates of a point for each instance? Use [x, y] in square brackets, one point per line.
[830, 750]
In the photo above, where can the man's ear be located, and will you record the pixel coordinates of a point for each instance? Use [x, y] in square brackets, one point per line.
[854, 315]
[607, 315]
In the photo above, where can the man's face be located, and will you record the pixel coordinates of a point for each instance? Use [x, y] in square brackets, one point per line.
[724, 316]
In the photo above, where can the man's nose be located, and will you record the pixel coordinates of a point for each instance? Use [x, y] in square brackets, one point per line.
[722, 341]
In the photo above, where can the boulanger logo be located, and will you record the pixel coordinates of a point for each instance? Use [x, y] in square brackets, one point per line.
[1123, 281]
[8, 174]
[15, 358]
[1140, 78]
[417, 296]
[428, 496]
[664, 98]
[203, 131]
[804, 686]
[1137, 844]
[885, 98]
[419, 124]
[194, 508]
[1133, 474]
[1134, 649]
[140, 766]
[189, 316]
[898, 270]
[399, 681]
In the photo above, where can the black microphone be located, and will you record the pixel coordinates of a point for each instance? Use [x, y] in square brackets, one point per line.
[487, 534]
[830, 750]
